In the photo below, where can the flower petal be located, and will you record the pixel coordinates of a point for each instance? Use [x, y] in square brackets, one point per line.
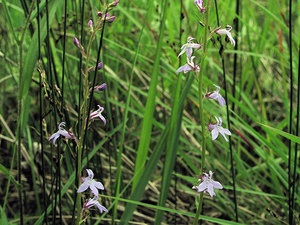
[99, 185]
[94, 189]
[216, 184]
[101, 207]
[83, 187]
[214, 133]
[210, 190]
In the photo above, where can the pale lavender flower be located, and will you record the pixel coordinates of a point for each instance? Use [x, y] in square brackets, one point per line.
[208, 184]
[188, 47]
[226, 32]
[98, 113]
[200, 5]
[94, 202]
[61, 131]
[190, 65]
[216, 96]
[89, 182]
[217, 128]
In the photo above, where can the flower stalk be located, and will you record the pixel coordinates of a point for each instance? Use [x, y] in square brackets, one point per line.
[201, 110]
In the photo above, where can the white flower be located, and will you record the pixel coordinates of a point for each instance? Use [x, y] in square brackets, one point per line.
[98, 113]
[94, 202]
[216, 96]
[61, 131]
[208, 184]
[190, 65]
[226, 31]
[188, 47]
[89, 182]
[217, 128]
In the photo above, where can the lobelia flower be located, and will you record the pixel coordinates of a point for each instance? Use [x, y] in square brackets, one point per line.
[216, 96]
[61, 131]
[199, 4]
[226, 31]
[94, 202]
[217, 128]
[190, 65]
[98, 113]
[208, 184]
[188, 47]
[89, 182]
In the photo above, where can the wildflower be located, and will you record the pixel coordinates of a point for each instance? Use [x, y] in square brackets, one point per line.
[106, 16]
[216, 96]
[100, 65]
[91, 25]
[110, 18]
[100, 87]
[188, 47]
[115, 3]
[217, 128]
[61, 131]
[226, 31]
[199, 4]
[89, 182]
[76, 42]
[190, 65]
[208, 184]
[98, 113]
[94, 202]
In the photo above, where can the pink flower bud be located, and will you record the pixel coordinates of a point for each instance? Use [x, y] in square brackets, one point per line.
[76, 42]
[90, 24]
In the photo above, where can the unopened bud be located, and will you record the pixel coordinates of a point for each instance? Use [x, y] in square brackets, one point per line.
[116, 2]
[90, 24]
[76, 42]
[111, 19]
[100, 65]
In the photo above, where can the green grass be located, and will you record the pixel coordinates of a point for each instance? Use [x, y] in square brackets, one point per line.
[148, 155]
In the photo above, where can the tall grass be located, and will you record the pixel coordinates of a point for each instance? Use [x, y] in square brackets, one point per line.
[147, 155]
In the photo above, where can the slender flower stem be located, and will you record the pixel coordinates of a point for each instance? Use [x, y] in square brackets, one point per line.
[201, 110]
[84, 107]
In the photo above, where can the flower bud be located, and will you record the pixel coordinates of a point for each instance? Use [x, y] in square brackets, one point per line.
[76, 42]
[90, 24]
[99, 66]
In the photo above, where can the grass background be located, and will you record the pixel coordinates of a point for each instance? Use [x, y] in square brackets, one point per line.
[152, 113]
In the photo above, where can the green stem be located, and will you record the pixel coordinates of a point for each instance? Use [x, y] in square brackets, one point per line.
[84, 123]
[201, 110]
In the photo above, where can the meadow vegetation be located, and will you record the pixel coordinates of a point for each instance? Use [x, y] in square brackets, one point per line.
[101, 124]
